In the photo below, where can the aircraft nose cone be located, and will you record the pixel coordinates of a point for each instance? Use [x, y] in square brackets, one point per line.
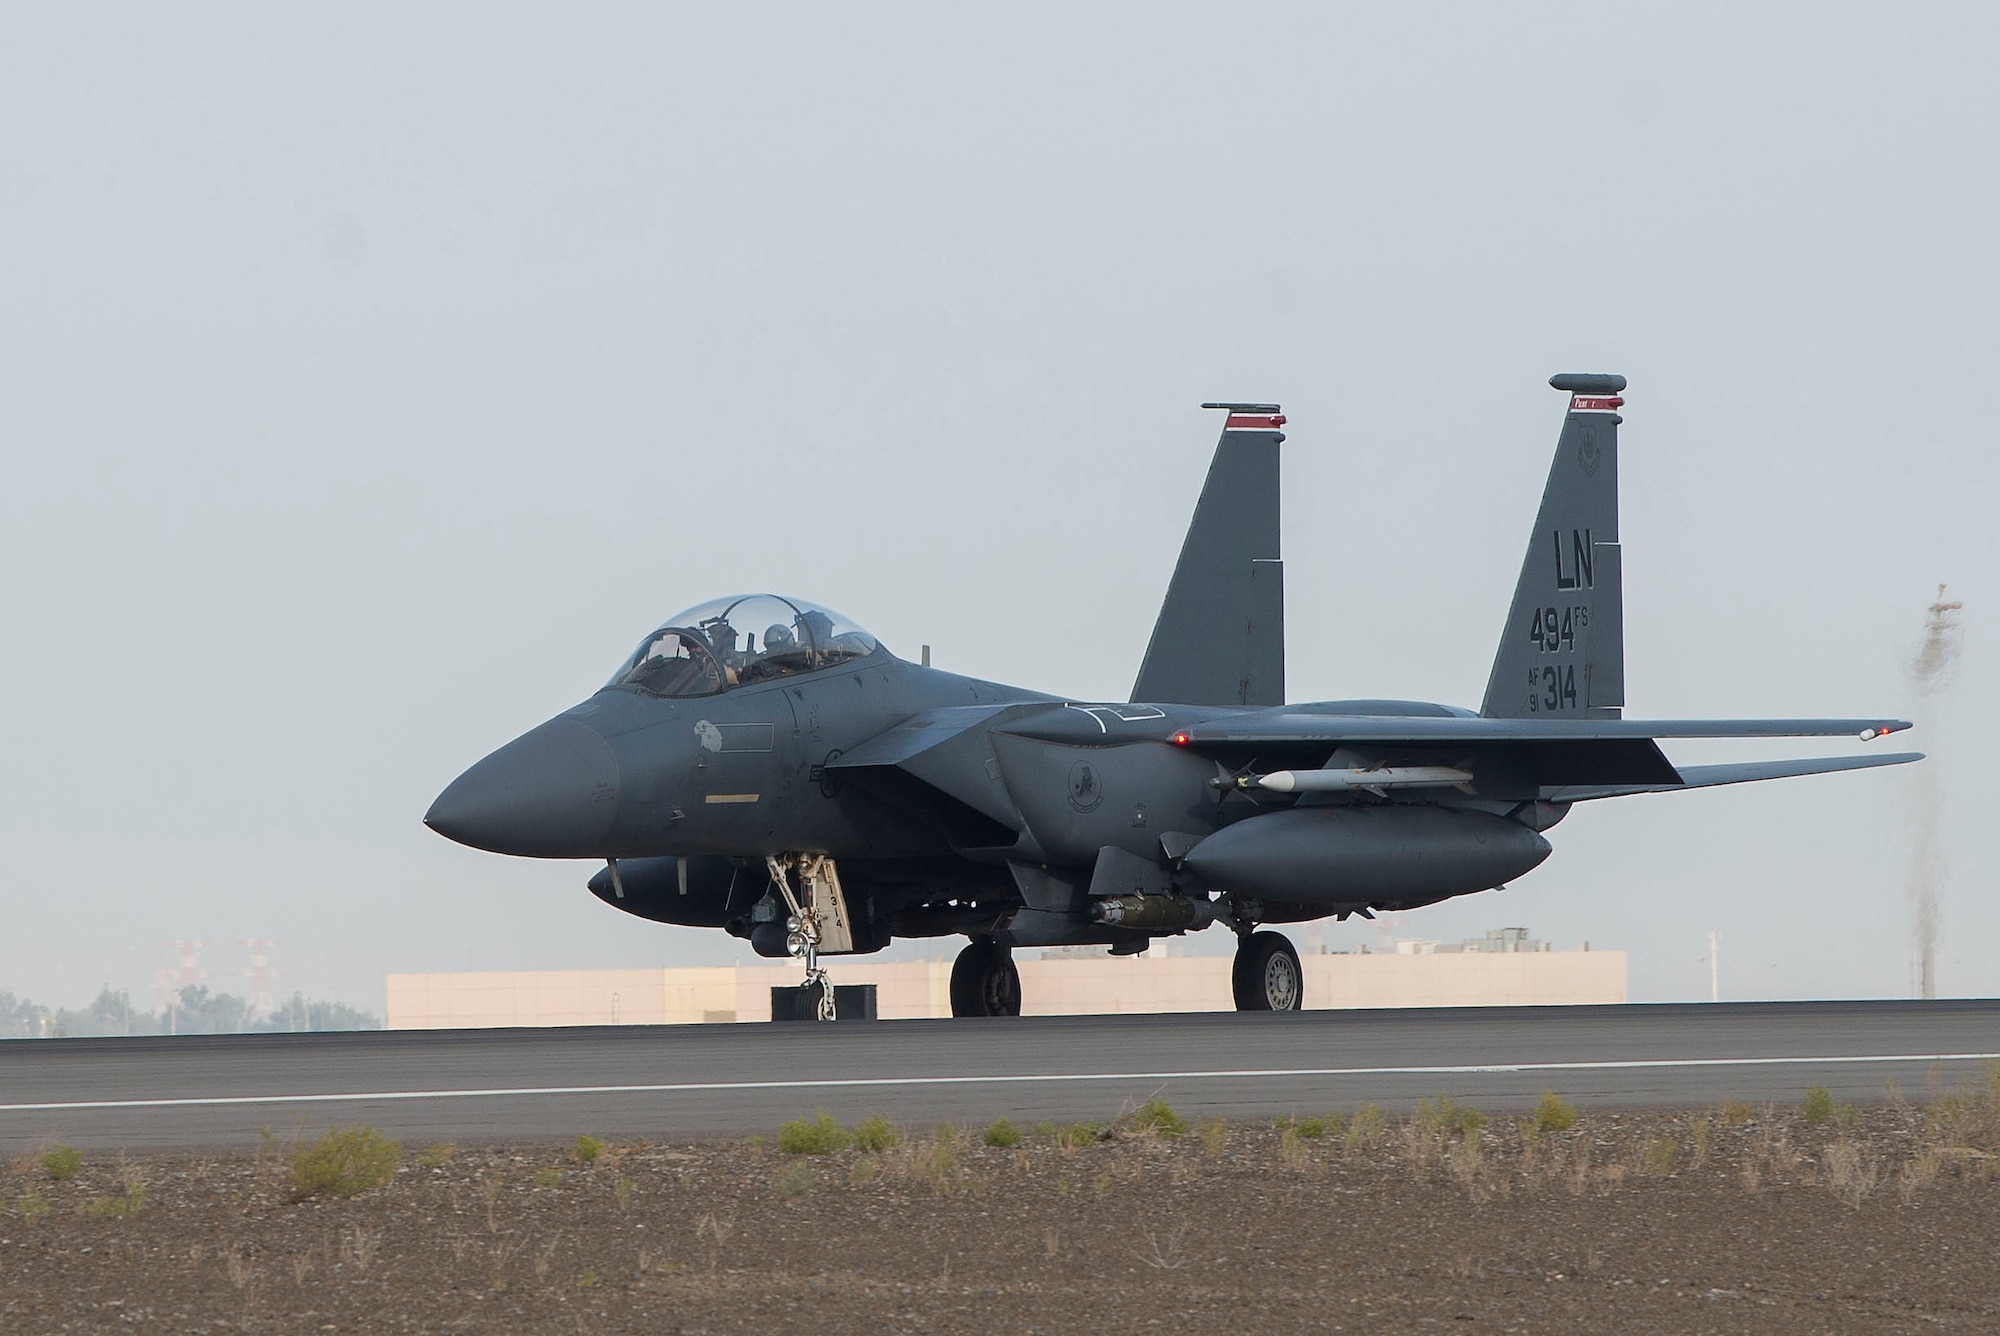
[550, 793]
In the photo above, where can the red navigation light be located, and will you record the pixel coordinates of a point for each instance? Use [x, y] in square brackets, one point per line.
[1180, 739]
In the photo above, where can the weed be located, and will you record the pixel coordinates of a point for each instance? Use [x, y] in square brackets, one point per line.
[1051, 1240]
[497, 1262]
[1656, 1157]
[1214, 1133]
[1578, 1177]
[586, 1280]
[1819, 1105]
[62, 1162]
[1312, 1129]
[1366, 1128]
[1734, 1113]
[1698, 1130]
[1848, 1173]
[937, 1161]
[717, 1231]
[1445, 1114]
[622, 1190]
[434, 1156]
[1292, 1149]
[1918, 1172]
[1047, 1129]
[1077, 1135]
[1775, 1147]
[795, 1180]
[1156, 1118]
[1002, 1135]
[1163, 1251]
[588, 1148]
[1467, 1156]
[345, 1162]
[818, 1135]
[1420, 1147]
[874, 1134]
[358, 1246]
[1553, 1113]
[864, 1170]
[550, 1177]
[118, 1207]
[33, 1205]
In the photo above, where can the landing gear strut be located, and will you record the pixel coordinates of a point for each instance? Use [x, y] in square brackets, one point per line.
[817, 922]
[1266, 976]
[984, 981]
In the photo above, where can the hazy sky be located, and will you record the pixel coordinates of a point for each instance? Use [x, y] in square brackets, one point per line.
[372, 377]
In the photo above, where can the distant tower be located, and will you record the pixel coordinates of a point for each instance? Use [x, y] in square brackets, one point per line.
[260, 975]
[185, 973]
[1931, 671]
[189, 971]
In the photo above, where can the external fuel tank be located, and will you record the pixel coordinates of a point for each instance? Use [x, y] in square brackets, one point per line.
[1350, 856]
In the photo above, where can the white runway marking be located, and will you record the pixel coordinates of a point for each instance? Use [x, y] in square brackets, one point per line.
[869, 1082]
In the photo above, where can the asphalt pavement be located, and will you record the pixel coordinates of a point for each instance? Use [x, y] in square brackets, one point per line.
[702, 1081]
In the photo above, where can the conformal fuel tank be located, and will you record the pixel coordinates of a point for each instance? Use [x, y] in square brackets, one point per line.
[1356, 855]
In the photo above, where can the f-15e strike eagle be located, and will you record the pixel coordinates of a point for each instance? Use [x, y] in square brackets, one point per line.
[765, 766]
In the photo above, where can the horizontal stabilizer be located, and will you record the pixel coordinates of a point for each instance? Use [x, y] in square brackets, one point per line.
[1748, 772]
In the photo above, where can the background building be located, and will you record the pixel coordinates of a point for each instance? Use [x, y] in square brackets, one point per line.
[1504, 968]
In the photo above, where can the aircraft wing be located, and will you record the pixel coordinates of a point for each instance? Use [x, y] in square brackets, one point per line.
[1708, 776]
[1513, 755]
[1458, 730]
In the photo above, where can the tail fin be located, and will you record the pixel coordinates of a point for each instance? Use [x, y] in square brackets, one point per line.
[1563, 649]
[1220, 639]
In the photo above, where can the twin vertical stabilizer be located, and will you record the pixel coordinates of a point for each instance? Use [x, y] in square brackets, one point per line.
[1220, 639]
[1562, 652]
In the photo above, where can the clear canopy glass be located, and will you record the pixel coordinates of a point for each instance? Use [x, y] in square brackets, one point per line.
[734, 642]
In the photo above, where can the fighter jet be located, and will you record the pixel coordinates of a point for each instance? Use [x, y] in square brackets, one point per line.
[763, 765]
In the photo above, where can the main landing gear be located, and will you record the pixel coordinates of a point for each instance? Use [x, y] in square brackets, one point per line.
[984, 981]
[1266, 976]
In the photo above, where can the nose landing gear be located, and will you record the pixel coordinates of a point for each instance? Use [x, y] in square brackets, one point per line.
[818, 921]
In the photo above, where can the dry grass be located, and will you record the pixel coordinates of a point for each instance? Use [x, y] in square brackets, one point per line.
[1135, 1208]
[1365, 1129]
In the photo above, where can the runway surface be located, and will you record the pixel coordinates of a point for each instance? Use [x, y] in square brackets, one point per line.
[702, 1081]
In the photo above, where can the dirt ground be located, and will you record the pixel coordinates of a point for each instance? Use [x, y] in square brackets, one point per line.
[1727, 1219]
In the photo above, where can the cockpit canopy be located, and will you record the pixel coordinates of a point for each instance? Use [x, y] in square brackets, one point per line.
[735, 642]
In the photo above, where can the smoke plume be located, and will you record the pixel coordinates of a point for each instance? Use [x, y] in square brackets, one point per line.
[1931, 670]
